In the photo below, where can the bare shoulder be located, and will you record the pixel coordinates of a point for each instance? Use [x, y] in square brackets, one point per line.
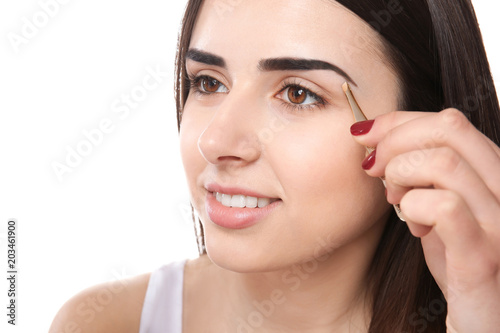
[109, 307]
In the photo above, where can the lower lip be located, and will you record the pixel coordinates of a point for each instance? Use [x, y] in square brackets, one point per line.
[236, 218]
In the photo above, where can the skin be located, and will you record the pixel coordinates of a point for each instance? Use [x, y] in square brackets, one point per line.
[310, 256]
[246, 137]
[108, 307]
[446, 178]
[328, 200]
[422, 155]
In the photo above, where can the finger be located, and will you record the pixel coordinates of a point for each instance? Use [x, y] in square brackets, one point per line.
[388, 121]
[442, 168]
[493, 146]
[371, 132]
[447, 128]
[458, 251]
[449, 216]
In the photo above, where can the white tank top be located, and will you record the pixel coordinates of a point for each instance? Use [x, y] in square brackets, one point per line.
[162, 309]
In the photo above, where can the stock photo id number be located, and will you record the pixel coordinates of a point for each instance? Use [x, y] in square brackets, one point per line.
[12, 272]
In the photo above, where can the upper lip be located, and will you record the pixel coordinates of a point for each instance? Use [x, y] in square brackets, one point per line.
[231, 190]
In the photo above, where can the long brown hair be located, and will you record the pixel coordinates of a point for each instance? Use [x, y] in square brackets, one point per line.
[436, 48]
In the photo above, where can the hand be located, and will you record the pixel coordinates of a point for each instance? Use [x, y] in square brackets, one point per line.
[446, 176]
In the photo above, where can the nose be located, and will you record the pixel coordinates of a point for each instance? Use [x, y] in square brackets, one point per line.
[231, 135]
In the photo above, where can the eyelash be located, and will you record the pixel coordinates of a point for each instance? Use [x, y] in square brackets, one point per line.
[194, 82]
[294, 83]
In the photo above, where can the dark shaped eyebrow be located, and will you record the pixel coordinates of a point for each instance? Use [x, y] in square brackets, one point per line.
[297, 64]
[272, 64]
[205, 58]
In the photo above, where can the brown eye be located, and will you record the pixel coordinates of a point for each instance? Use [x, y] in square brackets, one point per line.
[210, 85]
[297, 95]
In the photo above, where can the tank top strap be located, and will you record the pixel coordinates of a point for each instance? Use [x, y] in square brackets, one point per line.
[162, 309]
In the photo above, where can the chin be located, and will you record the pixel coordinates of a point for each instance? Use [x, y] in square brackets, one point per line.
[239, 254]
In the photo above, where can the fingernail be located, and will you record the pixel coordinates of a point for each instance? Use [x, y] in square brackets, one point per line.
[369, 161]
[362, 127]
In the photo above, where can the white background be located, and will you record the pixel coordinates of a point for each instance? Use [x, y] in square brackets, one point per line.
[125, 209]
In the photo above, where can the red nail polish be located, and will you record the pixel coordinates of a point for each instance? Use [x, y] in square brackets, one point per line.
[369, 161]
[362, 127]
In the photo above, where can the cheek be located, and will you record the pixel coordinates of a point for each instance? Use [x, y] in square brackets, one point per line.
[310, 159]
[319, 168]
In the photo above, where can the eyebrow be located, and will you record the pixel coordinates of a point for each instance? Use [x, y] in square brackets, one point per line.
[205, 58]
[297, 64]
[272, 64]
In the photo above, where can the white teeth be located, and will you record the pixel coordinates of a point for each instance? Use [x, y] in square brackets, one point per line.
[241, 201]
[226, 200]
[251, 202]
[238, 201]
[263, 202]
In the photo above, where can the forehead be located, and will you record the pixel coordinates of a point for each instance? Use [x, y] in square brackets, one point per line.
[243, 32]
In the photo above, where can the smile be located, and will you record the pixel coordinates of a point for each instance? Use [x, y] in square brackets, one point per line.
[242, 201]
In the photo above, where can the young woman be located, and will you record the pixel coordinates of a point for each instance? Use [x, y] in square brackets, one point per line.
[297, 233]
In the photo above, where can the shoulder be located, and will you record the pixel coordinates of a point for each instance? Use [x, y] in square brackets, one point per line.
[109, 307]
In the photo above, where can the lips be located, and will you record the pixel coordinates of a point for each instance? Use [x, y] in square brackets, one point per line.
[237, 208]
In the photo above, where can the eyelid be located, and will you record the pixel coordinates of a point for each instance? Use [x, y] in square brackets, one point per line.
[296, 82]
[191, 74]
[286, 83]
[307, 84]
[194, 79]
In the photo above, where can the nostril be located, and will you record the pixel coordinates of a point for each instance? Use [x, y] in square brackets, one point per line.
[229, 158]
[234, 145]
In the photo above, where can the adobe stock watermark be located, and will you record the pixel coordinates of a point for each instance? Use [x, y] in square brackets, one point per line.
[421, 318]
[418, 157]
[292, 280]
[33, 24]
[188, 215]
[254, 145]
[224, 7]
[381, 19]
[250, 146]
[472, 102]
[92, 306]
[425, 315]
[122, 107]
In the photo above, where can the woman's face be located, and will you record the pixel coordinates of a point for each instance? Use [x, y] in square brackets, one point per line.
[267, 123]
